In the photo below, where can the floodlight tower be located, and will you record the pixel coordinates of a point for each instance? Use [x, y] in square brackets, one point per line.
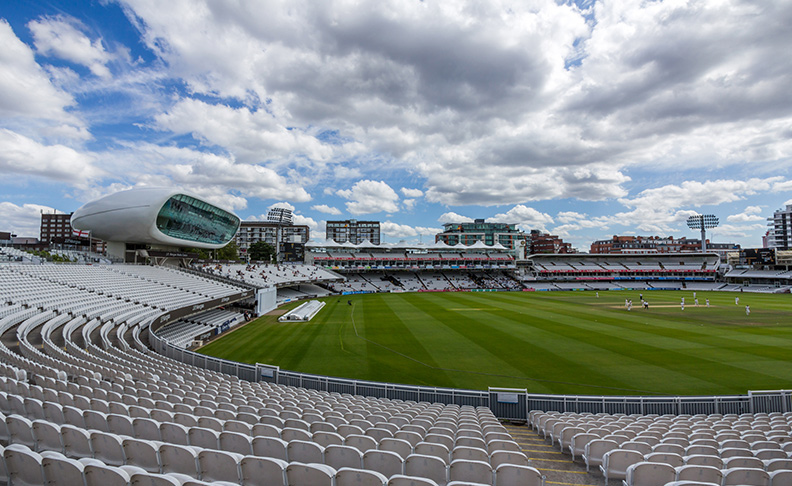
[702, 222]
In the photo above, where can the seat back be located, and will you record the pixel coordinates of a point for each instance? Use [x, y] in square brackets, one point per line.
[142, 453]
[595, 451]
[152, 479]
[76, 441]
[96, 475]
[107, 448]
[262, 471]
[177, 458]
[47, 436]
[305, 451]
[577, 443]
[479, 472]
[270, 447]
[20, 430]
[649, 474]
[615, 463]
[430, 467]
[146, 428]
[705, 474]
[670, 458]
[743, 462]
[236, 442]
[338, 456]
[219, 466]
[385, 462]
[470, 454]
[522, 475]
[781, 477]
[313, 474]
[399, 446]
[359, 477]
[508, 457]
[432, 449]
[745, 477]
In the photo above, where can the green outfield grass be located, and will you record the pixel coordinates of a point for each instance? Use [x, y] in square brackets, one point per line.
[547, 342]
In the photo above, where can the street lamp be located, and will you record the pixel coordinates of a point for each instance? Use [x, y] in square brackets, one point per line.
[702, 222]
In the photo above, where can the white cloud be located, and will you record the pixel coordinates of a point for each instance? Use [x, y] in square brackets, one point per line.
[570, 216]
[663, 210]
[282, 204]
[413, 193]
[253, 136]
[345, 172]
[783, 186]
[450, 93]
[695, 193]
[452, 217]
[753, 210]
[324, 208]
[310, 222]
[396, 230]
[750, 213]
[27, 96]
[491, 184]
[573, 221]
[24, 156]
[369, 196]
[64, 37]
[24, 220]
[205, 173]
[526, 217]
[728, 233]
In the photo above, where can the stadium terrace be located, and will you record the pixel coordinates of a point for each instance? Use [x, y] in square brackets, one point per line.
[100, 385]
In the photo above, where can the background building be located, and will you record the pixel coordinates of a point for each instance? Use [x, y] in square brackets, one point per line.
[353, 231]
[780, 229]
[277, 231]
[276, 235]
[539, 242]
[657, 244]
[490, 234]
[55, 226]
[56, 232]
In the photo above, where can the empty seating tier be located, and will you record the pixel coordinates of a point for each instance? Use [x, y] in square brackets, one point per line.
[84, 401]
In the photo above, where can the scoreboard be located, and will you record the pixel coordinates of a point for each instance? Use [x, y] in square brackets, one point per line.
[757, 256]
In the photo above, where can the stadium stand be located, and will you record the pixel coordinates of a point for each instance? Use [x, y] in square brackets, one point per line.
[659, 449]
[84, 401]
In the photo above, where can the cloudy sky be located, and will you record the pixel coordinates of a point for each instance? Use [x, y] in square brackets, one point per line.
[585, 119]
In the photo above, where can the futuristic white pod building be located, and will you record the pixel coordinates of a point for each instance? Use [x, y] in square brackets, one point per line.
[161, 217]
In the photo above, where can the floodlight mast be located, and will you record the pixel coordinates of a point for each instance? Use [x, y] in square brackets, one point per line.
[702, 222]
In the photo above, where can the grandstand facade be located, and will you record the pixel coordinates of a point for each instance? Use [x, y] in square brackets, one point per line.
[618, 271]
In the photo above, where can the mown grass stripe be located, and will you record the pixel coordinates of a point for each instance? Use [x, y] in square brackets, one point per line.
[559, 342]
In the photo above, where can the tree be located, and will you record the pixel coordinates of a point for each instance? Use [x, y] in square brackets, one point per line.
[228, 252]
[261, 251]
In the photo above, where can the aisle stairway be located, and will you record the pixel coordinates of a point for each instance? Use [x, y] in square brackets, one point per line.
[558, 468]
